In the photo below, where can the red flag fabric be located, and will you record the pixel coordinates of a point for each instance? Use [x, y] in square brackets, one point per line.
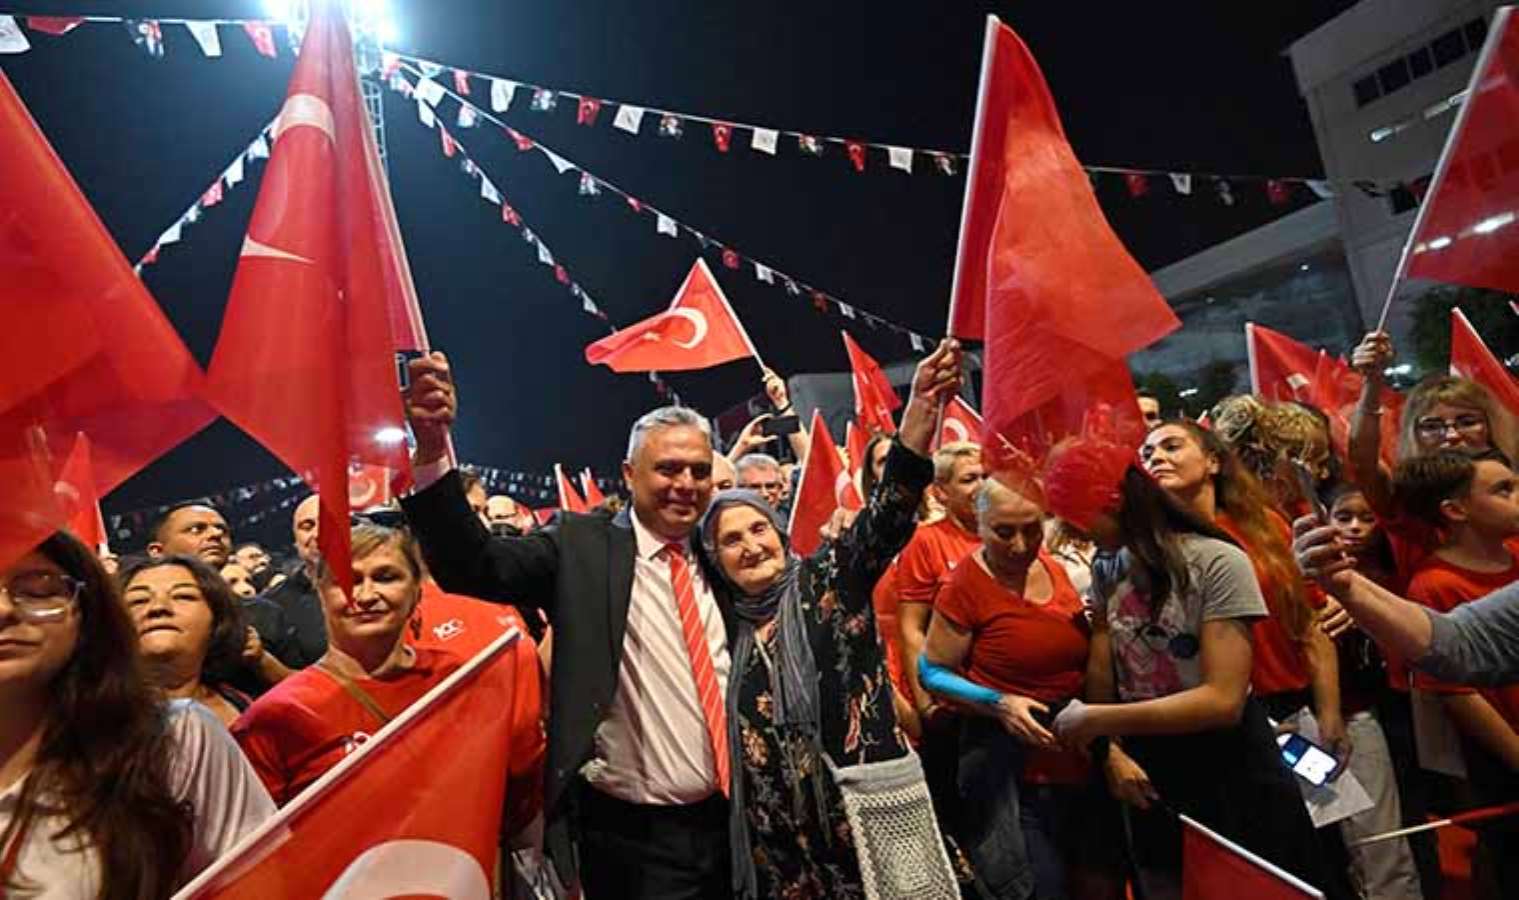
[1033, 242]
[461, 82]
[90, 350]
[855, 442]
[856, 151]
[587, 110]
[961, 423]
[262, 36]
[1278, 192]
[1213, 866]
[54, 24]
[569, 500]
[722, 136]
[874, 397]
[593, 495]
[825, 486]
[545, 515]
[698, 330]
[322, 297]
[730, 259]
[1467, 230]
[368, 486]
[212, 196]
[433, 827]
[76, 491]
[1137, 183]
[1470, 359]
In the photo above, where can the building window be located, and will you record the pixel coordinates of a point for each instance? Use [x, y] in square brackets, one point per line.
[1421, 62]
[1366, 90]
[1394, 76]
[1449, 47]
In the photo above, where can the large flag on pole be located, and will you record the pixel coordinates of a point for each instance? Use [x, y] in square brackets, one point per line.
[874, 397]
[322, 298]
[1213, 866]
[593, 495]
[416, 811]
[569, 500]
[961, 423]
[1042, 279]
[825, 486]
[87, 348]
[698, 330]
[76, 491]
[1467, 230]
[1470, 359]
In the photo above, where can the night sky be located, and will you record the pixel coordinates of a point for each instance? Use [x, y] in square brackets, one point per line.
[1190, 87]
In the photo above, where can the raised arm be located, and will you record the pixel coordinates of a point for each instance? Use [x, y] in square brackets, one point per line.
[780, 398]
[1370, 358]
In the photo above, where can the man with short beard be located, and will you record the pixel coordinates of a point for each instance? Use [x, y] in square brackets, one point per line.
[192, 529]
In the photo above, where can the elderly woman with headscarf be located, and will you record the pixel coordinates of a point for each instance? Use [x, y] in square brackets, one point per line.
[808, 702]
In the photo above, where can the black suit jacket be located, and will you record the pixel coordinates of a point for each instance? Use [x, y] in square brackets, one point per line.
[579, 571]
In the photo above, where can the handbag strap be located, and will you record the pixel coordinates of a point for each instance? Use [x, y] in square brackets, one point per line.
[359, 695]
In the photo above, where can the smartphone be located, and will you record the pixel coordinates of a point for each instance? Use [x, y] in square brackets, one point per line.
[780, 426]
[1309, 490]
[1311, 762]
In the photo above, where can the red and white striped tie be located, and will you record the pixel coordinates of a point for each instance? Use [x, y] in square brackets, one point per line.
[707, 688]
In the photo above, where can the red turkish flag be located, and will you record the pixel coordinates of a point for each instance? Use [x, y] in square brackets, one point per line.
[461, 82]
[825, 486]
[699, 330]
[322, 298]
[874, 397]
[961, 423]
[593, 495]
[1138, 184]
[1033, 242]
[54, 24]
[76, 491]
[368, 486]
[263, 38]
[1467, 231]
[1213, 866]
[88, 348]
[431, 829]
[587, 110]
[1470, 359]
[545, 515]
[569, 501]
[855, 442]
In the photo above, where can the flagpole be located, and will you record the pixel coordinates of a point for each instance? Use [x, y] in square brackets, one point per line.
[316, 789]
[1494, 36]
[1255, 372]
[1475, 815]
[1268, 866]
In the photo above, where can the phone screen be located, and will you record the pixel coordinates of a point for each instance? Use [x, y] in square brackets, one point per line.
[1310, 761]
[780, 426]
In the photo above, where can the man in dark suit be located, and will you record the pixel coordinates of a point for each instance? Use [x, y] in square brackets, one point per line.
[637, 781]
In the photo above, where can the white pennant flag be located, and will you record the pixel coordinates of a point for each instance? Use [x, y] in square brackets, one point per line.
[424, 113]
[170, 235]
[900, 158]
[1182, 182]
[917, 342]
[560, 163]
[763, 274]
[430, 90]
[1320, 188]
[588, 305]
[205, 35]
[11, 38]
[467, 117]
[259, 149]
[629, 118]
[846, 310]
[765, 140]
[234, 172]
[488, 191]
[666, 225]
[501, 94]
[544, 256]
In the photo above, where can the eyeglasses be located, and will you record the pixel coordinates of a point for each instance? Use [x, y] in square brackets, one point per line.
[42, 596]
[1435, 427]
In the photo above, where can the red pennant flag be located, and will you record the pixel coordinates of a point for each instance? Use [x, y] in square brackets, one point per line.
[1470, 359]
[509, 215]
[368, 486]
[593, 495]
[1278, 192]
[450, 146]
[322, 298]
[699, 330]
[54, 24]
[89, 349]
[1033, 241]
[152, 256]
[545, 515]
[856, 151]
[76, 491]
[561, 275]
[1138, 184]
[569, 501]
[961, 423]
[635, 203]
[1467, 230]
[262, 36]
[212, 196]
[587, 111]
[874, 397]
[855, 442]
[523, 142]
[825, 486]
[730, 258]
[722, 136]
[461, 82]
[434, 829]
[1213, 866]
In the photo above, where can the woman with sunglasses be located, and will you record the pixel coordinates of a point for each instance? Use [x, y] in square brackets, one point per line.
[1168, 686]
[106, 791]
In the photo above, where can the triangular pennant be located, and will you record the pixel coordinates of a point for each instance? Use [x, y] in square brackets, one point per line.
[501, 94]
[628, 118]
[900, 158]
[1182, 182]
[765, 140]
[205, 35]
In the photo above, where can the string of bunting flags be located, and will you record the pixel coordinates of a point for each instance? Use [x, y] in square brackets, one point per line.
[429, 93]
[149, 33]
[230, 177]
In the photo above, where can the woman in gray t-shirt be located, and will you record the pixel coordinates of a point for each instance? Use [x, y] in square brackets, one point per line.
[1168, 687]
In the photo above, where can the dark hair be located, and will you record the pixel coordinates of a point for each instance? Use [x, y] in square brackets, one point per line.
[1143, 394]
[155, 531]
[470, 480]
[1420, 484]
[224, 648]
[106, 751]
[867, 472]
[1379, 552]
[1150, 521]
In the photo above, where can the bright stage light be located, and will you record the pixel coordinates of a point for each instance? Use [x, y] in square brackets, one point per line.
[388, 32]
[279, 10]
[390, 435]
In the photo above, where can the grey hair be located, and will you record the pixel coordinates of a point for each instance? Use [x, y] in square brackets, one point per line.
[665, 417]
[756, 461]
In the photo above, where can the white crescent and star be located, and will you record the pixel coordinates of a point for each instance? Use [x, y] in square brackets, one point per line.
[409, 867]
[957, 428]
[698, 323]
[841, 486]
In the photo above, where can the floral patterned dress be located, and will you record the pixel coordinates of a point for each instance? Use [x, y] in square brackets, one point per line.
[795, 855]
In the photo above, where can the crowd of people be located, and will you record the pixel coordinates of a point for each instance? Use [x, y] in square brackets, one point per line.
[702, 712]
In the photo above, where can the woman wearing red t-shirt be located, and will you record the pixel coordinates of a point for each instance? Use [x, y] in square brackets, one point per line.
[1009, 621]
[369, 674]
